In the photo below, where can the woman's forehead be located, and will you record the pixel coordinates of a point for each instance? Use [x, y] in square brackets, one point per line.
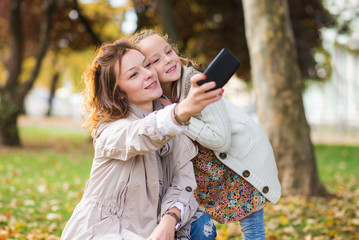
[130, 60]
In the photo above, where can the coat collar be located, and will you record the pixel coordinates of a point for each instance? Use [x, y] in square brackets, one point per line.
[141, 113]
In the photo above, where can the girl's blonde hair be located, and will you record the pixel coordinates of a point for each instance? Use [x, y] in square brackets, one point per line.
[139, 36]
[104, 100]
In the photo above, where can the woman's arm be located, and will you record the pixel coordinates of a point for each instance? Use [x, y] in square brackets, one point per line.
[181, 191]
[180, 174]
[178, 198]
[126, 138]
[165, 230]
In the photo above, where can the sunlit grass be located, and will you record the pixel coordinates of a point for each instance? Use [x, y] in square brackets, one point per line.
[42, 182]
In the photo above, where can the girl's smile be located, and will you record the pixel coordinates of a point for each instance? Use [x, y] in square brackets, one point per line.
[172, 69]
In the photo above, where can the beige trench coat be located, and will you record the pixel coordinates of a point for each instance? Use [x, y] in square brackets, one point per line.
[137, 174]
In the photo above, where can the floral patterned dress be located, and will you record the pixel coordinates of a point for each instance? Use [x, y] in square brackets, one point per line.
[221, 192]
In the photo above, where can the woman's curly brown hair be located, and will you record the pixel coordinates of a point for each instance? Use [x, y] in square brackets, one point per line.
[104, 101]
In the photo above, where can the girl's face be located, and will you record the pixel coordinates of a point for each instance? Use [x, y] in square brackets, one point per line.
[162, 57]
[138, 79]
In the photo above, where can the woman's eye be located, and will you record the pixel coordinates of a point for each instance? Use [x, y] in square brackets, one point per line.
[148, 65]
[133, 75]
[156, 60]
[169, 51]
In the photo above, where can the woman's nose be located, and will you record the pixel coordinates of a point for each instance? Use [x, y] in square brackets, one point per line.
[148, 74]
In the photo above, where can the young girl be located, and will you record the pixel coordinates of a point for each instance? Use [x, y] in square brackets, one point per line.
[142, 181]
[235, 167]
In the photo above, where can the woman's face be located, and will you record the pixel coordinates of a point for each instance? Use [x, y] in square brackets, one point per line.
[138, 79]
[162, 57]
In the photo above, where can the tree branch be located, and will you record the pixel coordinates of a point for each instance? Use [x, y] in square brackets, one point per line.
[44, 43]
[17, 43]
[95, 38]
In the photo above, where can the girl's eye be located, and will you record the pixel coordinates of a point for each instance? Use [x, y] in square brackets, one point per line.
[155, 61]
[169, 51]
[147, 65]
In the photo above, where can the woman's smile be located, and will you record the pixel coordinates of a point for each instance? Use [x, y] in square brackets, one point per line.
[152, 85]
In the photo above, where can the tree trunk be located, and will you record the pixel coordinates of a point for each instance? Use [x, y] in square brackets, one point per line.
[55, 80]
[10, 110]
[165, 8]
[278, 84]
[13, 94]
[17, 42]
[9, 106]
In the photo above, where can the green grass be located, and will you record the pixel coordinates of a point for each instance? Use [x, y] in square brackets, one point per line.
[337, 164]
[42, 182]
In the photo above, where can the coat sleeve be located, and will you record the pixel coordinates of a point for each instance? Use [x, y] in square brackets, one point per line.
[211, 128]
[126, 138]
[182, 178]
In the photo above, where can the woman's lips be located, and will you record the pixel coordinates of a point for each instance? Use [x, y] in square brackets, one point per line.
[151, 85]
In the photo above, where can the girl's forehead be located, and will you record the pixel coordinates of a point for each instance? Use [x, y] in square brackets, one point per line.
[153, 45]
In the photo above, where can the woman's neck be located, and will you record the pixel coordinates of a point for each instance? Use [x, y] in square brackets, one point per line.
[147, 106]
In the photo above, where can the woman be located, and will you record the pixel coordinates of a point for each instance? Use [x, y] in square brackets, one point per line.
[141, 182]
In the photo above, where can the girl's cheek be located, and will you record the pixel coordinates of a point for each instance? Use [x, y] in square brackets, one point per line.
[159, 70]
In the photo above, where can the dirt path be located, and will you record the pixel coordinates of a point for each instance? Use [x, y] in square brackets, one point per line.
[50, 122]
[325, 137]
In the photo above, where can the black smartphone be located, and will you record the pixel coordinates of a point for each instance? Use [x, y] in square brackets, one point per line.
[221, 69]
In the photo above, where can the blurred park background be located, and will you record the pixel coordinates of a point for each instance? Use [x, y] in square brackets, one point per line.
[299, 78]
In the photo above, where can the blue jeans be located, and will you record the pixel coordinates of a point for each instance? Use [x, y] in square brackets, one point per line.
[252, 226]
[203, 228]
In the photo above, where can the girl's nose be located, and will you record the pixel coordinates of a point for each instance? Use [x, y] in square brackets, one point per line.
[167, 59]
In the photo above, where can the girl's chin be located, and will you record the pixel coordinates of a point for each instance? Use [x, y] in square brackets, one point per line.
[170, 79]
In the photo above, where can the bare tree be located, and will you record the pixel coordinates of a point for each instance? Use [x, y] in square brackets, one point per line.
[13, 93]
[278, 84]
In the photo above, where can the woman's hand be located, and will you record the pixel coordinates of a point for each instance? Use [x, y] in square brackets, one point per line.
[198, 98]
[165, 230]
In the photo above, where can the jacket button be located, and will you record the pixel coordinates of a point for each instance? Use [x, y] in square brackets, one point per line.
[265, 189]
[223, 155]
[246, 173]
[188, 189]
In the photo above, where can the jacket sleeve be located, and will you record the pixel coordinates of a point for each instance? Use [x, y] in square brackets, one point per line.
[211, 128]
[182, 178]
[126, 138]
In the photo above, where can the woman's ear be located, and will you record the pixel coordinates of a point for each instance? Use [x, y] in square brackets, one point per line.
[122, 94]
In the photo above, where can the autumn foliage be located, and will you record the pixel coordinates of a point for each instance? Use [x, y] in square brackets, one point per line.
[42, 182]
